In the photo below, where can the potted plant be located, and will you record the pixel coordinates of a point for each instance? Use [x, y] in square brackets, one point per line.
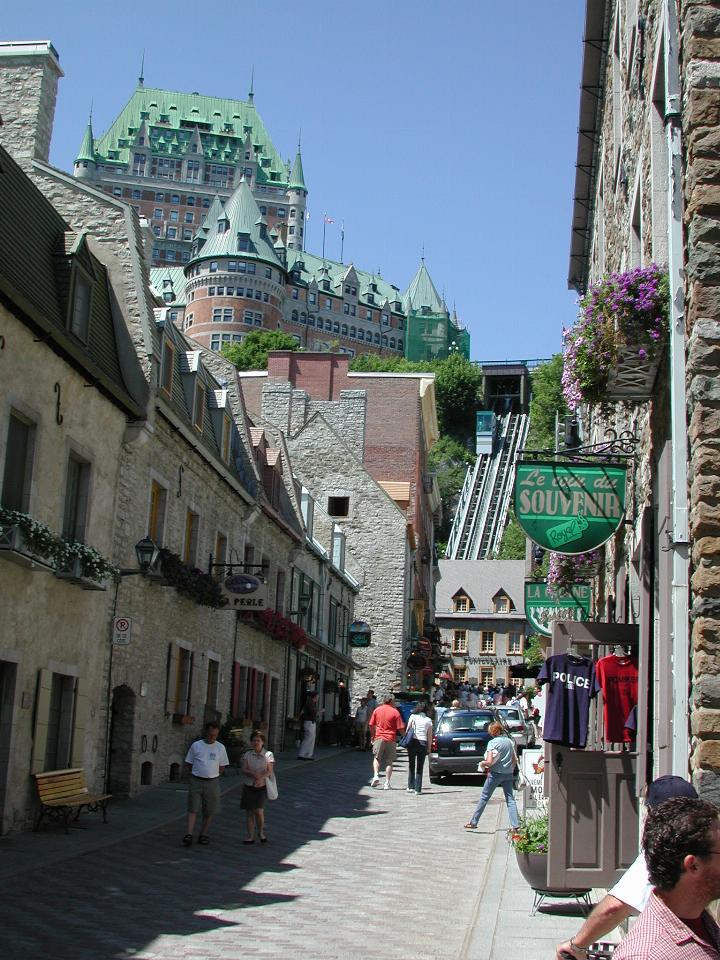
[530, 842]
[565, 569]
[21, 534]
[613, 351]
[82, 564]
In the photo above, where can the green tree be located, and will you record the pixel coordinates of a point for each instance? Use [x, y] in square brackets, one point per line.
[547, 402]
[252, 353]
[512, 545]
[533, 655]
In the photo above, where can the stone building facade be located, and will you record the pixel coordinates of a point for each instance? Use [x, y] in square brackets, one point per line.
[648, 181]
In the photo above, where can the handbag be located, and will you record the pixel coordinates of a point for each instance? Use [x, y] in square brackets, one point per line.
[409, 734]
[271, 788]
[520, 781]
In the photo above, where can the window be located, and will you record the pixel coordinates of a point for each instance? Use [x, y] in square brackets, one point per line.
[171, 233]
[77, 490]
[346, 308]
[179, 680]
[157, 213]
[191, 201]
[215, 342]
[189, 217]
[459, 642]
[159, 198]
[80, 317]
[385, 320]
[515, 643]
[268, 273]
[281, 211]
[199, 405]
[328, 303]
[186, 234]
[158, 504]
[19, 455]
[60, 721]
[487, 676]
[220, 555]
[213, 266]
[226, 436]
[223, 314]
[312, 298]
[253, 317]
[168, 361]
[170, 255]
[502, 605]
[192, 522]
[338, 506]
[117, 192]
[487, 642]
[136, 195]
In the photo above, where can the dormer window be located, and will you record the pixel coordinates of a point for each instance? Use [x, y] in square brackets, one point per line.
[199, 406]
[502, 604]
[82, 298]
[461, 603]
[168, 362]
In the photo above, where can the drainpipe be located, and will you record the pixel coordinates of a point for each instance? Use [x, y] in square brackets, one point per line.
[679, 521]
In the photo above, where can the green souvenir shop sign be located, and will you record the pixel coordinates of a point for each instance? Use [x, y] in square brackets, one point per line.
[569, 507]
[542, 608]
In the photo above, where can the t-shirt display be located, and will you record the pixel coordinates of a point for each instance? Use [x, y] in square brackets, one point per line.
[617, 678]
[570, 685]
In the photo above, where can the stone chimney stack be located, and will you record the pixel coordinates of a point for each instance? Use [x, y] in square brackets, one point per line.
[29, 74]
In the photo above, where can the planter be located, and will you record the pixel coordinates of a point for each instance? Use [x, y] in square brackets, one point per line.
[634, 376]
[73, 571]
[533, 867]
[14, 547]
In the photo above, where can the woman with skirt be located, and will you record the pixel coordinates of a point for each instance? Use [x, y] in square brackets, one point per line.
[257, 765]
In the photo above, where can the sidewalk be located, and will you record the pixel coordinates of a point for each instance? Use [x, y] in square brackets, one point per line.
[147, 811]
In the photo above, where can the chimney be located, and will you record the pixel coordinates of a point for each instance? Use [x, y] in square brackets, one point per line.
[29, 74]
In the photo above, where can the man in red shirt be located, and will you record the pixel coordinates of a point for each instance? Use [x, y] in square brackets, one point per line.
[681, 839]
[385, 723]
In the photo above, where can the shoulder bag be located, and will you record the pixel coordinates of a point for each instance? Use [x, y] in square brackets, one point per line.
[271, 790]
[520, 781]
[409, 734]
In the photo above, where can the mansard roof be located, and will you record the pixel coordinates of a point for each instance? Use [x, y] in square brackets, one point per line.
[41, 258]
[320, 268]
[421, 294]
[172, 119]
[482, 581]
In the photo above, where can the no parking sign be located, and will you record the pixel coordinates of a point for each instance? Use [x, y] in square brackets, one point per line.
[122, 628]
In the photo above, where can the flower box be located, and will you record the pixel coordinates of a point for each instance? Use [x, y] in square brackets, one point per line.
[74, 571]
[633, 377]
[14, 546]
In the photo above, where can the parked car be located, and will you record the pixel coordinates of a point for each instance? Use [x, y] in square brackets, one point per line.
[406, 702]
[460, 741]
[521, 730]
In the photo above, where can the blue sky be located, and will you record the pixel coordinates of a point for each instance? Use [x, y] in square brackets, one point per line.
[447, 125]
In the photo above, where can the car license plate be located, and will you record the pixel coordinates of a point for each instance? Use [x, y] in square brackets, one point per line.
[467, 747]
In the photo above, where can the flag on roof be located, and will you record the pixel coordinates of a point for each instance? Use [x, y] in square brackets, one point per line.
[328, 219]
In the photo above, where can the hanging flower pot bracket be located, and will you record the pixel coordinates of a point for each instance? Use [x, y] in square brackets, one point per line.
[633, 378]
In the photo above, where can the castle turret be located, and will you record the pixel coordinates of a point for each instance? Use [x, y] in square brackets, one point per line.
[85, 162]
[297, 194]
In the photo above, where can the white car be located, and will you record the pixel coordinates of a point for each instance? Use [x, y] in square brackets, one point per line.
[521, 730]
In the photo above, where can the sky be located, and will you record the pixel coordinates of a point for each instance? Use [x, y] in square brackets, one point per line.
[447, 128]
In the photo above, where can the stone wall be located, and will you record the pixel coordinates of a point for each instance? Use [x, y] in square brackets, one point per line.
[700, 54]
[28, 91]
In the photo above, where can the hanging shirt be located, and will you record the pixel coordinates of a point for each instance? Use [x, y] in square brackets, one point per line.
[617, 677]
[570, 685]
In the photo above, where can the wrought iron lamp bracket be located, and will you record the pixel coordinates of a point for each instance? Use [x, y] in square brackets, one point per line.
[614, 445]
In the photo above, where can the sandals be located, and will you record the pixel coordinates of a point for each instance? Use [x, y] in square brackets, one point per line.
[203, 840]
[470, 826]
[248, 842]
[187, 840]
[263, 839]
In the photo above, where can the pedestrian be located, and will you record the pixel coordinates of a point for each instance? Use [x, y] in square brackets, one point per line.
[308, 718]
[419, 747]
[681, 840]
[258, 764]
[362, 715]
[499, 762]
[206, 760]
[371, 705]
[631, 893]
[385, 723]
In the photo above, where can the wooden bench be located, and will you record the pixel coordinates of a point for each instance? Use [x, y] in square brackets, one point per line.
[63, 791]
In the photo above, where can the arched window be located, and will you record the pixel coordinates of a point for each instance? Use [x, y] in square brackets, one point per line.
[384, 341]
[376, 339]
[294, 316]
[328, 325]
[361, 335]
[336, 327]
[400, 345]
[392, 342]
[352, 331]
[303, 318]
[343, 329]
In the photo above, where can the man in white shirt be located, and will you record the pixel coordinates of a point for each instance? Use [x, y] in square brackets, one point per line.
[206, 759]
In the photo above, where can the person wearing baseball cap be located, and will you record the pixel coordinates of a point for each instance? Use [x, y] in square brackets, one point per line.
[632, 891]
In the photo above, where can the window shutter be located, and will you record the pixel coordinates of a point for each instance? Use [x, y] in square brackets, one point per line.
[192, 683]
[77, 757]
[171, 678]
[42, 717]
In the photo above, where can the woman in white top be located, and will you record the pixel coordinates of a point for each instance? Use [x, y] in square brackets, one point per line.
[257, 766]
[419, 747]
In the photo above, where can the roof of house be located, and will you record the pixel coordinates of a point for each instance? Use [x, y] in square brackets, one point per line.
[421, 294]
[40, 257]
[481, 580]
[311, 267]
[171, 120]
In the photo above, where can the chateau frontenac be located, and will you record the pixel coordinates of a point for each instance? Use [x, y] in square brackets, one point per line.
[228, 217]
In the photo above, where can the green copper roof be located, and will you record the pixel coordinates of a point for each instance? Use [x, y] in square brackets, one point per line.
[240, 216]
[297, 177]
[422, 294]
[211, 218]
[319, 269]
[172, 119]
[87, 147]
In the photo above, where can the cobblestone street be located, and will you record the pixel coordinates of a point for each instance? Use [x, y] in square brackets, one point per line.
[334, 880]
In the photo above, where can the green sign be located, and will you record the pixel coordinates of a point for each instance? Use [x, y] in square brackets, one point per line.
[543, 607]
[359, 634]
[570, 507]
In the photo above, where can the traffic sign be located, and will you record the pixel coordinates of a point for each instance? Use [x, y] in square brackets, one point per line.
[122, 629]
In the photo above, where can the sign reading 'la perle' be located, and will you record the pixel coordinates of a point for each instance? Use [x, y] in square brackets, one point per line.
[569, 507]
[542, 607]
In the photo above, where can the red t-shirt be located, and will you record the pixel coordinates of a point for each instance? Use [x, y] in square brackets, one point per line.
[617, 677]
[387, 721]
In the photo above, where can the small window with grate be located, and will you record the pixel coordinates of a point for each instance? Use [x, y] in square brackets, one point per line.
[338, 506]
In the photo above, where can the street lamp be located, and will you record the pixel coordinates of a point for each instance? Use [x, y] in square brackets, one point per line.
[147, 553]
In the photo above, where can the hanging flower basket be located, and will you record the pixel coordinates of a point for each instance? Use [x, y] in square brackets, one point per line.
[83, 565]
[566, 569]
[614, 350]
[26, 542]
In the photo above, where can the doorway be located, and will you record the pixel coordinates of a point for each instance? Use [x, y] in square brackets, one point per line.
[122, 738]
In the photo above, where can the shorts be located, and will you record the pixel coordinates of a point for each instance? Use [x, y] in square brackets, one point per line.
[384, 751]
[204, 795]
